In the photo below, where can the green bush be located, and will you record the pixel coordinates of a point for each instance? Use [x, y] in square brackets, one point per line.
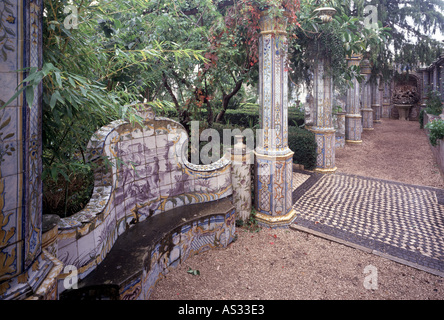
[247, 115]
[247, 118]
[302, 142]
[296, 117]
[434, 103]
[436, 128]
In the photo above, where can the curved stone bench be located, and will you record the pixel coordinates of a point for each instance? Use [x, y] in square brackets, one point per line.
[145, 253]
[141, 172]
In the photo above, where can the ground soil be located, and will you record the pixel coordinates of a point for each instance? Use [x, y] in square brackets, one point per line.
[284, 264]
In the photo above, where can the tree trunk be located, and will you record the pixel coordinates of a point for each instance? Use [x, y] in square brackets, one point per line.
[226, 99]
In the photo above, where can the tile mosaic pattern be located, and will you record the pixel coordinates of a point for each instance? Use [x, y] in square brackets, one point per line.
[12, 143]
[143, 172]
[214, 232]
[273, 97]
[23, 266]
[323, 126]
[273, 185]
[400, 220]
[273, 157]
[299, 179]
[353, 121]
[241, 180]
[366, 97]
[158, 245]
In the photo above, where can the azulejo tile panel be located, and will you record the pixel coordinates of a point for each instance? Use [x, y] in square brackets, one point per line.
[149, 175]
[211, 233]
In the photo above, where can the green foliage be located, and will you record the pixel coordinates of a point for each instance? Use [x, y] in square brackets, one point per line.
[193, 272]
[251, 224]
[344, 36]
[247, 116]
[434, 103]
[90, 75]
[411, 25]
[436, 129]
[302, 142]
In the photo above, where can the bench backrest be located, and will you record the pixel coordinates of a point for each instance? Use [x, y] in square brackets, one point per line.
[142, 170]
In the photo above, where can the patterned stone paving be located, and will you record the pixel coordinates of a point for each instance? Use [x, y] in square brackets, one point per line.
[398, 220]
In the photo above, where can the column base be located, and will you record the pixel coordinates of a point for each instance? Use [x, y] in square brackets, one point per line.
[275, 222]
[273, 189]
[353, 141]
[325, 171]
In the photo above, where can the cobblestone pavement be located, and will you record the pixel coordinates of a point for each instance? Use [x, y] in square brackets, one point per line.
[400, 221]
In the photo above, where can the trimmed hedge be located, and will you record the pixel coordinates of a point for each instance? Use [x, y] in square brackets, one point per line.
[302, 142]
[247, 115]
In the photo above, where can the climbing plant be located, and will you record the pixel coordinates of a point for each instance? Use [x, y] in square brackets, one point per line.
[344, 36]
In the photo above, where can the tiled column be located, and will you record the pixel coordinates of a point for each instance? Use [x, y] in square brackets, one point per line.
[366, 99]
[273, 158]
[353, 117]
[435, 77]
[323, 127]
[425, 86]
[24, 268]
[386, 100]
[323, 124]
[241, 179]
[376, 101]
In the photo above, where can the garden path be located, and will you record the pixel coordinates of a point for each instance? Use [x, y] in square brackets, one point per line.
[309, 264]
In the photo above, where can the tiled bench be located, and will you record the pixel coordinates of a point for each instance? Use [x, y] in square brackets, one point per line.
[145, 253]
[156, 179]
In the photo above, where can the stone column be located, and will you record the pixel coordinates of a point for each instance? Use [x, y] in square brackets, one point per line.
[376, 101]
[353, 117]
[381, 96]
[366, 100]
[425, 86]
[435, 77]
[386, 100]
[273, 158]
[26, 270]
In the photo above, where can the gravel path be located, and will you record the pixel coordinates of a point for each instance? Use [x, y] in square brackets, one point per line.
[284, 264]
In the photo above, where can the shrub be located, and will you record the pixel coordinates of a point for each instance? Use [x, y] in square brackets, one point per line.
[302, 142]
[247, 118]
[434, 103]
[436, 128]
[66, 197]
[247, 115]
